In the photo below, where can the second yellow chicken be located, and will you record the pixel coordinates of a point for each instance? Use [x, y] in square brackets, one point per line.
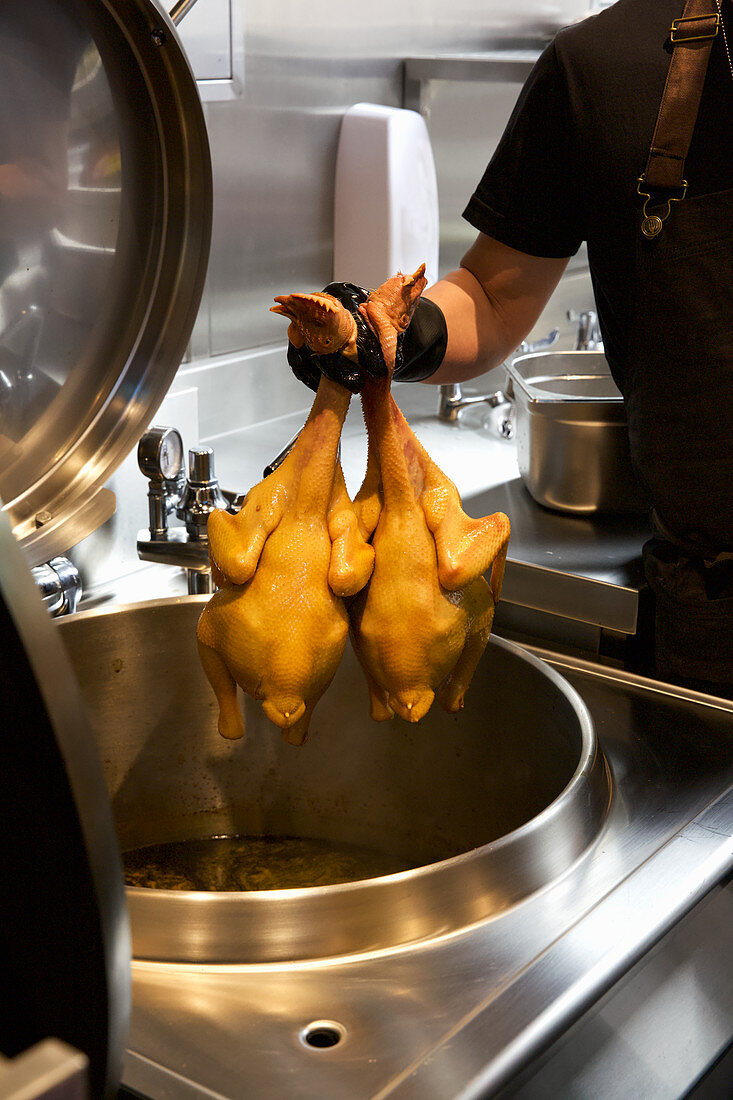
[421, 624]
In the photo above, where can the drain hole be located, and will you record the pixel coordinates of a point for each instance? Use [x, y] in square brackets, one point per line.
[322, 1034]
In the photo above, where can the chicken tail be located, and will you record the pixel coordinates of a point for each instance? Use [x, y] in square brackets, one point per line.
[412, 706]
[284, 712]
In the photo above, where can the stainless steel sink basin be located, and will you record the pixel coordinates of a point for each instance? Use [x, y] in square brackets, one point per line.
[572, 439]
[478, 810]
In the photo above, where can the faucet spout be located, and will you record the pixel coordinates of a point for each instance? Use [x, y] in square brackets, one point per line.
[588, 336]
[452, 400]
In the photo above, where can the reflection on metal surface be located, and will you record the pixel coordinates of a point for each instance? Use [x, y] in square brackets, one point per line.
[459, 1016]
[517, 791]
[104, 233]
[660, 1028]
[60, 585]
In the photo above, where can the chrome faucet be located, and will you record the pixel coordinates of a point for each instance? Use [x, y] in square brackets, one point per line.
[451, 398]
[193, 498]
[588, 336]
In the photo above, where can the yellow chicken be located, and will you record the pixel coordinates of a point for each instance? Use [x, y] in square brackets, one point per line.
[423, 621]
[277, 625]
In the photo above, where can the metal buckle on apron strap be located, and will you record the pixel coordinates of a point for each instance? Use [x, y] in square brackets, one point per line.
[680, 33]
[651, 225]
[692, 40]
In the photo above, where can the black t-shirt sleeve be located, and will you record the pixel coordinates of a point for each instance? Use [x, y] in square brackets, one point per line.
[528, 197]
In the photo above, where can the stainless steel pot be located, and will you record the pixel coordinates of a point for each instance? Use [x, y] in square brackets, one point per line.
[571, 431]
[480, 809]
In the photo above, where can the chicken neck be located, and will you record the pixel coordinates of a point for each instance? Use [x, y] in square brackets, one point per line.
[392, 446]
[311, 464]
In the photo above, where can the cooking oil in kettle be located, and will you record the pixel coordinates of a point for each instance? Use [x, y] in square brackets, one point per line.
[225, 863]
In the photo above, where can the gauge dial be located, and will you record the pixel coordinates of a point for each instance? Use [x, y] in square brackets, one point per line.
[171, 454]
[160, 454]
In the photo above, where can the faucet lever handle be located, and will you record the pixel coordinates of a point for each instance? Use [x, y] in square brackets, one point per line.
[201, 494]
[547, 341]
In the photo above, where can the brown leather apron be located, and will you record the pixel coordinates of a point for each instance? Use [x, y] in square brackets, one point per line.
[679, 401]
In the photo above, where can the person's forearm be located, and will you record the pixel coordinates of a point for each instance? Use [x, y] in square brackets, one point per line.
[477, 340]
[490, 304]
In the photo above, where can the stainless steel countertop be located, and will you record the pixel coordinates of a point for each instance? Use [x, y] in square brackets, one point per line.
[584, 569]
[579, 568]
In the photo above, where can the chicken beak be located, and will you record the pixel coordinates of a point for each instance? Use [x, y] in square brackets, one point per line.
[283, 309]
[325, 324]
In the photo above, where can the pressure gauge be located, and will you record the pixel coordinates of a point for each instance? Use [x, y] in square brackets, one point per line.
[160, 454]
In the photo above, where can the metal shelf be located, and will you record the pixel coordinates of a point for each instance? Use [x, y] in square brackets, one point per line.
[506, 65]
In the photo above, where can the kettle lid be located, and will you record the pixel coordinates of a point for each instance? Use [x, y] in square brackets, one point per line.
[105, 227]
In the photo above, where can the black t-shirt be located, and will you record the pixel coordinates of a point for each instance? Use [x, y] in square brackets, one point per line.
[567, 166]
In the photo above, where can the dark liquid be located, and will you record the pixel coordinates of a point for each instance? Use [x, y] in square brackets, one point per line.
[254, 863]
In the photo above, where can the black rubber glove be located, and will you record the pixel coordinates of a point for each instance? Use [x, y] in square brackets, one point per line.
[308, 367]
[420, 349]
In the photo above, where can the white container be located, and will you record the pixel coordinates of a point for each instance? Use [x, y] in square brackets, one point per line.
[386, 196]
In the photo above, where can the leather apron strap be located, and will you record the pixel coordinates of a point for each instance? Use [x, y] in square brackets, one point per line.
[662, 181]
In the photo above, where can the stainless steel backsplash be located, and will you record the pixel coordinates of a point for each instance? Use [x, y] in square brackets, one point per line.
[274, 147]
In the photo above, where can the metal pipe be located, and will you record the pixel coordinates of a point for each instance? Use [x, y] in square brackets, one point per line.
[180, 10]
[200, 582]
